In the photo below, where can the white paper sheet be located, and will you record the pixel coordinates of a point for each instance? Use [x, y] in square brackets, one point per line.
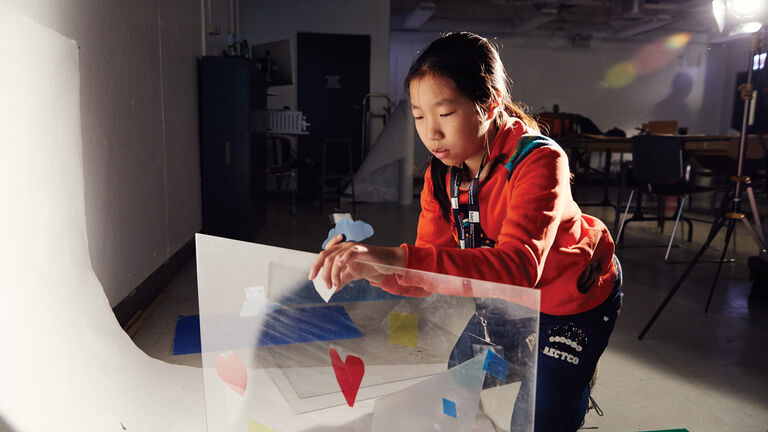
[66, 364]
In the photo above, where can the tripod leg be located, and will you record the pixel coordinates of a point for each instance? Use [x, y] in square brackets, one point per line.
[619, 199]
[680, 205]
[624, 219]
[712, 233]
[755, 215]
[728, 234]
[758, 240]
[606, 199]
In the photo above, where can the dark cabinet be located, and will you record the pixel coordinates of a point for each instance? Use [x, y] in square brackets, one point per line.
[232, 142]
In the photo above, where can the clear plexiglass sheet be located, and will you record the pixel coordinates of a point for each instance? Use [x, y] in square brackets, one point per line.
[276, 357]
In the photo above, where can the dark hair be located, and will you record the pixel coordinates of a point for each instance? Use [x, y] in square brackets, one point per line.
[472, 63]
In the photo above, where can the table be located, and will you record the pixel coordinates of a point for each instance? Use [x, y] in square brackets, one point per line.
[700, 144]
[582, 144]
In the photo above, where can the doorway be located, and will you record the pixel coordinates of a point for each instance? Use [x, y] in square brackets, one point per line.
[333, 77]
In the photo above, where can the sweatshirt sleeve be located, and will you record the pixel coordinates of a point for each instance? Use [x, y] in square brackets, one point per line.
[536, 195]
[433, 231]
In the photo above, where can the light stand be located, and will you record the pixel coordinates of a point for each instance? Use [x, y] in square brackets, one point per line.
[725, 217]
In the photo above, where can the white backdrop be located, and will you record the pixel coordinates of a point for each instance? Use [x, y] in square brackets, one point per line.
[65, 364]
[386, 174]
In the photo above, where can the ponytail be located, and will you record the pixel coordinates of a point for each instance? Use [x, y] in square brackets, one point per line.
[438, 172]
[517, 110]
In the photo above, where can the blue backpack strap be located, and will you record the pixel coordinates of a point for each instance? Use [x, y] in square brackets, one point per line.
[527, 144]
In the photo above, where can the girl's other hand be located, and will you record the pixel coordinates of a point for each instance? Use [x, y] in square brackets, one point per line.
[589, 277]
[339, 262]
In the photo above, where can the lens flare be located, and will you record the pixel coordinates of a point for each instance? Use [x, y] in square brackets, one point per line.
[649, 58]
[620, 75]
[678, 41]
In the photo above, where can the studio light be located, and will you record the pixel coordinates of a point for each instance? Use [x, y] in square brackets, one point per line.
[735, 17]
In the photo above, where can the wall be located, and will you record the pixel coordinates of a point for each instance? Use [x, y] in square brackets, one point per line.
[547, 72]
[724, 60]
[220, 23]
[139, 125]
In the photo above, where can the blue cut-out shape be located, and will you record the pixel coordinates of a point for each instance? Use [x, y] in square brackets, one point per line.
[354, 231]
[359, 290]
[495, 365]
[449, 407]
[279, 327]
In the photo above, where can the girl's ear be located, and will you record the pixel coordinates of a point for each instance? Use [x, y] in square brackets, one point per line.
[494, 106]
[492, 109]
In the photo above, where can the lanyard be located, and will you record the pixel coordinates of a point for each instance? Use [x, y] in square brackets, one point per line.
[468, 229]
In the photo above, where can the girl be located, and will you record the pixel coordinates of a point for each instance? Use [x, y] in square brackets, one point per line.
[497, 206]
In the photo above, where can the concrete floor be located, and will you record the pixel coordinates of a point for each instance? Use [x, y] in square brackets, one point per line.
[702, 372]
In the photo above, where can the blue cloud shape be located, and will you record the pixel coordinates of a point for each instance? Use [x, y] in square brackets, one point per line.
[354, 231]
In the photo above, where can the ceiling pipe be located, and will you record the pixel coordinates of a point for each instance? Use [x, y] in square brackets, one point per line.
[542, 17]
[661, 18]
[643, 28]
[605, 3]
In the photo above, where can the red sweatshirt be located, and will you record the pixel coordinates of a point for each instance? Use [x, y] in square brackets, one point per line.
[542, 239]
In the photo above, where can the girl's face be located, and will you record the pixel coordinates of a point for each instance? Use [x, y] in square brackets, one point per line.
[448, 123]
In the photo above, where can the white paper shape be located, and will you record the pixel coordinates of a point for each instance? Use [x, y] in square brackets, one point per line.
[325, 292]
[420, 407]
[66, 364]
[256, 303]
[336, 217]
[495, 404]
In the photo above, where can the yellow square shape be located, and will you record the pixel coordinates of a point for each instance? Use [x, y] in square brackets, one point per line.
[254, 426]
[404, 329]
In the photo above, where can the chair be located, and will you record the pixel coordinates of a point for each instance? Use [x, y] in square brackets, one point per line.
[282, 171]
[343, 176]
[661, 127]
[658, 168]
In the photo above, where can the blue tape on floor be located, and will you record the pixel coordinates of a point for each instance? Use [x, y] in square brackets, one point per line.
[187, 337]
[282, 327]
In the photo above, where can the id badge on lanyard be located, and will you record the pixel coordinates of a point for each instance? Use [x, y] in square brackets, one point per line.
[468, 229]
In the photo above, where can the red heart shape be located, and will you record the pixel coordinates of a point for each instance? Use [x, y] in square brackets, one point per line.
[349, 374]
[232, 371]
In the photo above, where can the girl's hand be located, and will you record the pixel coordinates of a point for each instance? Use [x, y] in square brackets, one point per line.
[339, 265]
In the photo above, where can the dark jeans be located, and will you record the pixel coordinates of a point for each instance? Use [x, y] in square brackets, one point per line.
[568, 350]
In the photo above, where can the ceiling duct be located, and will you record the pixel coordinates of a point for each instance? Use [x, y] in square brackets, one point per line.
[630, 7]
[629, 12]
[541, 17]
[652, 17]
[420, 14]
[643, 28]
[630, 19]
